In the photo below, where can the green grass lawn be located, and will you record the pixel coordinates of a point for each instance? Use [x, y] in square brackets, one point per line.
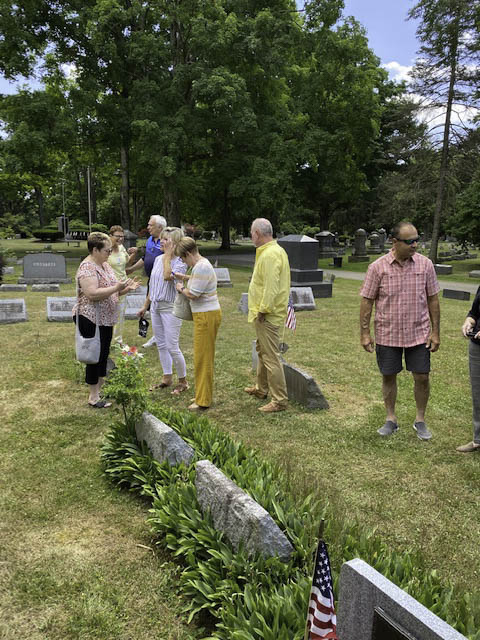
[76, 560]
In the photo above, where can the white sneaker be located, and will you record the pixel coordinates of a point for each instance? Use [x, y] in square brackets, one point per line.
[150, 343]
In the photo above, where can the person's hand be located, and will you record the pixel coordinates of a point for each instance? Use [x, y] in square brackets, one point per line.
[468, 326]
[261, 317]
[179, 287]
[130, 284]
[433, 342]
[367, 342]
[142, 312]
[168, 247]
[132, 251]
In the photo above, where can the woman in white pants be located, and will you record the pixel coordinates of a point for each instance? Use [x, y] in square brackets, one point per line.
[160, 298]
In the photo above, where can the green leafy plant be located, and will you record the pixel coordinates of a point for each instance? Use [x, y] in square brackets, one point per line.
[126, 384]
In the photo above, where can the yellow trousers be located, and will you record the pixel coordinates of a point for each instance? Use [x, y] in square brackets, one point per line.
[205, 329]
[270, 376]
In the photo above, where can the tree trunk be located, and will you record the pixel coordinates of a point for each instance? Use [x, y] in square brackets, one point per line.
[225, 222]
[93, 195]
[171, 206]
[39, 198]
[444, 165]
[124, 188]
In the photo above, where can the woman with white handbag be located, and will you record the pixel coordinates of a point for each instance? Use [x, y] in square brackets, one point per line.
[96, 313]
[160, 300]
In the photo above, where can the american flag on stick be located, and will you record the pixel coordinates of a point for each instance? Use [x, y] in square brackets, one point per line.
[291, 321]
[321, 618]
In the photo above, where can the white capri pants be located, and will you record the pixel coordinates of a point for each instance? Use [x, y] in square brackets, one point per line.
[166, 329]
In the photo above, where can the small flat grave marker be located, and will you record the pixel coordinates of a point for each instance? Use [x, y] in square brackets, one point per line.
[474, 274]
[443, 269]
[134, 304]
[60, 309]
[302, 298]
[5, 288]
[243, 304]
[12, 310]
[456, 295]
[46, 287]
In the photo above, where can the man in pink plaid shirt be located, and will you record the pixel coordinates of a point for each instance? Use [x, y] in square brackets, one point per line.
[404, 287]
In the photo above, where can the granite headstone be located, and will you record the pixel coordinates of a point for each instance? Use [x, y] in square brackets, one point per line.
[60, 309]
[302, 254]
[12, 310]
[44, 268]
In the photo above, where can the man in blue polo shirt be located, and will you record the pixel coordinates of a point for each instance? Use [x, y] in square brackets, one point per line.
[155, 226]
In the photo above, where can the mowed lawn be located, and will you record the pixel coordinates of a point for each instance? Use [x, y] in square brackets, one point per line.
[77, 558]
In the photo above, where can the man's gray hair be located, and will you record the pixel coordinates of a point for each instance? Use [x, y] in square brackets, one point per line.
[159, 221]
[263, 226]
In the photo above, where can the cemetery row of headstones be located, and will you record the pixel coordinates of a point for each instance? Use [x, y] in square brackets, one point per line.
[370, 607]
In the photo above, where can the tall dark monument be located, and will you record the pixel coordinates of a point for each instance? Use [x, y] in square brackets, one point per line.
[302, 254]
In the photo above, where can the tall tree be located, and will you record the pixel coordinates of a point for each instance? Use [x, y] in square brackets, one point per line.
[446, 75]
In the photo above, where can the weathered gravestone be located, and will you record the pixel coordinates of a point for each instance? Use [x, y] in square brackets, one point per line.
[301, 387]
[302, 254]
[243, 304]
[237, 515]
[443, 269]
[141, 291]
[5, 288]
[46, 287]
[325, 244]
[164, 443]
[302, 299]
[44, 268]
[456, 295]
[362, 590]
[359, 251]
[60, 309]
[223, 277]
[382, 236]
[474, 274]
[7, 271]
[12, 310]
[134, 304]
[374, 240]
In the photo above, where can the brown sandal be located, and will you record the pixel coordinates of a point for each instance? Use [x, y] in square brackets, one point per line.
[180, 388]
[161, 385]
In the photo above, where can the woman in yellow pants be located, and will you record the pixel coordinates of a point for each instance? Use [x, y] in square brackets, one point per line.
[207, 315]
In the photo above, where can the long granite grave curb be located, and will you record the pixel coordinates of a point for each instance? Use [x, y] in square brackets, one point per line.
[164, 443]
[237, 514]
[362, 588]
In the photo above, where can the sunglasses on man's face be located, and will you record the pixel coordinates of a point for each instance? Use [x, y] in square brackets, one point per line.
[410, 241]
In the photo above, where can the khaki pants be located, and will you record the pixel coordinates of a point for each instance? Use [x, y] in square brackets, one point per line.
[205, 328]
[270, 376]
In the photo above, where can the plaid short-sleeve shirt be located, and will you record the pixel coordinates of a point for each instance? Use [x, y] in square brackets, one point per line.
[400, 294]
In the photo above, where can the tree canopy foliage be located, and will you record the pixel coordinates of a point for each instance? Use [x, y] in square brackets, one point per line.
[208, 111]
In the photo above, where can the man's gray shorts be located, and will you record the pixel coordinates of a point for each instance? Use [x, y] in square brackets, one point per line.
[389, 359]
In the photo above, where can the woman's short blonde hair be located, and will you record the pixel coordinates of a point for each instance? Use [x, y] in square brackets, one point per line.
[184, 246]
[174, 233]
[97, 240]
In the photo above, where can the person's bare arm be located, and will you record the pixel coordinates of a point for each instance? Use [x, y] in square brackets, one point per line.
[95, 293]
[138, 265]
[167, 259]
[433, 341]
[366, 306]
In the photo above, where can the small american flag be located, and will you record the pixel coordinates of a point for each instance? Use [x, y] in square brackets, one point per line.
[321, 618]
[291, 321]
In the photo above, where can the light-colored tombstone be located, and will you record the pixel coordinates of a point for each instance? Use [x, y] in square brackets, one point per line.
[164, 443]
[46, 287]
[237, 514]
[134, 304]
[60, 309]
[474, 274]
[223, 277]
[141, 291]
[5, 288]
[302, 298]
[12, 310]
[7, 271]
[443, 269]
[362, 590]
[44, 268]
[243, 304]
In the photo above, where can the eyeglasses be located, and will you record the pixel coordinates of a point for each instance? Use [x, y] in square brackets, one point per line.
[107, 250]
[410, 241]
[119, 237]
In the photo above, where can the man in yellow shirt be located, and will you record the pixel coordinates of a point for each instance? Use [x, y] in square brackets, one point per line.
[267, 308]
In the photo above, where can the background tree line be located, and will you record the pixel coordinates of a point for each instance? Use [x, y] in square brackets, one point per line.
[217, 111]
